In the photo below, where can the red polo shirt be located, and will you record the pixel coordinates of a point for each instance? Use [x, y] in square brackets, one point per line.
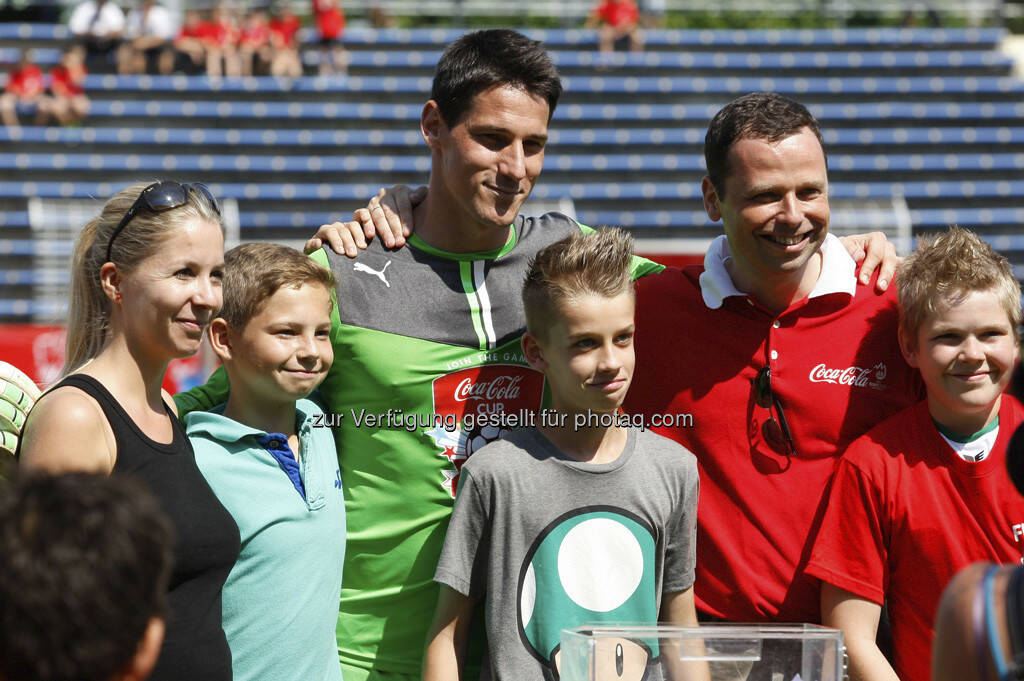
[906, 514]
[836, 369]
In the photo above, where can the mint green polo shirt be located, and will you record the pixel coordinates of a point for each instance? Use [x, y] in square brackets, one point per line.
[280, 602]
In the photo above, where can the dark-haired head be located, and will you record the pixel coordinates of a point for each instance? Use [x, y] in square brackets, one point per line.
[759, 115]
[481, 60]
[85, 560]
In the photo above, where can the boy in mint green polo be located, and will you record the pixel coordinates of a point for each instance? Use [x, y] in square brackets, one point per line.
[274, 467]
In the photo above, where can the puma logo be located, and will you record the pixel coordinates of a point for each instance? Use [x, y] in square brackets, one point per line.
[360, 267]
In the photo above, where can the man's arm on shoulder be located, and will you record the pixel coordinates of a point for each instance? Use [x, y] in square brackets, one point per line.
[639, 266]
[387, 215]
[858, 618]
[873, 250]
[446, 640]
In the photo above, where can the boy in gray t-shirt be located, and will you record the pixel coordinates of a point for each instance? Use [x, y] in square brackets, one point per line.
[579, 518]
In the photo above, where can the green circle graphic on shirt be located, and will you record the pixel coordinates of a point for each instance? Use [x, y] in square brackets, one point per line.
[592, 566]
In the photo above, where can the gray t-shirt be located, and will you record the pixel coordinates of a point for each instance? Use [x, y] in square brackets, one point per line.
[551, 543]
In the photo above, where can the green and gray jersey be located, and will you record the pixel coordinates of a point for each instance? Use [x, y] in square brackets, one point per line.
[425, 342]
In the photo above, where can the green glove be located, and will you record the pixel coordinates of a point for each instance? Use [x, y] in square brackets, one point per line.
[17, 395]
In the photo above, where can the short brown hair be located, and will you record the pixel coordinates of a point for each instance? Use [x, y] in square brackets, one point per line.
[584, 262]
[255, 271]
[947, 267]
[760, 116]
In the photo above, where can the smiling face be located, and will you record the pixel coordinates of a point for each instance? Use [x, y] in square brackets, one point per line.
[774, 207]
[966, 354]
[283, 353]
[169, 297]
[586, 352]
[485, 165]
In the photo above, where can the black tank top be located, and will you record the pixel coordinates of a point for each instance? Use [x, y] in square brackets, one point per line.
[206, 546]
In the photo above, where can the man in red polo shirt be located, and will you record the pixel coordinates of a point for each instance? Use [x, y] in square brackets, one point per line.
[776, 355]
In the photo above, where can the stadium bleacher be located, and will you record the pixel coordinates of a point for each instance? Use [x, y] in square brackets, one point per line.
[930, 118]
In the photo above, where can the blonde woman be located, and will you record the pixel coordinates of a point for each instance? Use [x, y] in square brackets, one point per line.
[146, 280]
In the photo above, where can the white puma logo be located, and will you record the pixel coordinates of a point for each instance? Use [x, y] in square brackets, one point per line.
[360, 267]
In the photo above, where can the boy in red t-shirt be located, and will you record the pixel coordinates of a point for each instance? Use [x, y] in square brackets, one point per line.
[25, 87]
[925, 493]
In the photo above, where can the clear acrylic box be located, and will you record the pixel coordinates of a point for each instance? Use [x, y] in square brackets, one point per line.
[719, 652]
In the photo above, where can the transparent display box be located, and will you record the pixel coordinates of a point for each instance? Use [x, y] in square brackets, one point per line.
[719, 652]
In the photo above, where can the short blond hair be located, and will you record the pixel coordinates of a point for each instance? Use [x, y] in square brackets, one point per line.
[947, 267]
[255, 271]
[583, 263]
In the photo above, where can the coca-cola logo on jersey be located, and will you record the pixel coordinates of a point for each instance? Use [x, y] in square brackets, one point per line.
[480, 391]
[856, 377]
[500, 388]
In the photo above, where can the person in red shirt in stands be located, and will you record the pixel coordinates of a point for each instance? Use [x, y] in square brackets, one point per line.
[330, 22]
[69, 103]
[619, 25]
[283, 28]
[191, 55]
[220, 38]
[254, 51]
[25, 88]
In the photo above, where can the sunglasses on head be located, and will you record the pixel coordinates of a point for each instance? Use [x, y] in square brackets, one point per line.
[159, 197]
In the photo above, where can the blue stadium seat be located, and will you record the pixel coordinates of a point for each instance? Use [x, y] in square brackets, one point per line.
[31, 308]
[557, 135]
[595, 84]
[579, 191]
[32, 277]
[420, 163]
[683, 114]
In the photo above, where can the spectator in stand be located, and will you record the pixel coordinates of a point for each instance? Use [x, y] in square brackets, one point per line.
[618, 23]
[283, 29]
[98, 24]
[149, 32]
[85, 560]
[68, 101]
[330, 22]
[380, 15]
[652, 13]
[25, 89]
[254, 51]
[190, 55]
[220, 41]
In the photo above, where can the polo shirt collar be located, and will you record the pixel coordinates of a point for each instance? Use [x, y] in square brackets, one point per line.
[838, 272]
[218, 427]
